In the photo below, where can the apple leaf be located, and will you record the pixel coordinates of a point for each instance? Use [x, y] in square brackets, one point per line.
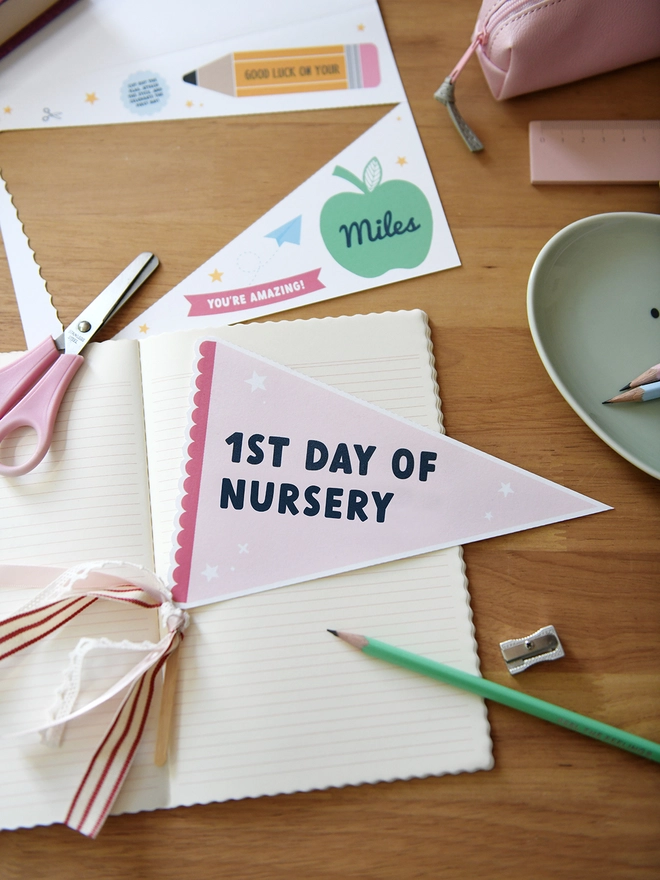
[372, 174]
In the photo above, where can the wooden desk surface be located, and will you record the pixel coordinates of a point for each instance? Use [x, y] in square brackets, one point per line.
[556, 804]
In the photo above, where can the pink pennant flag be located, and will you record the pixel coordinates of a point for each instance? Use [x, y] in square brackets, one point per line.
[288, 479]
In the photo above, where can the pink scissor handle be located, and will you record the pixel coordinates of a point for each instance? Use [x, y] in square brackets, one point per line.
[20, 375]
[38, 408]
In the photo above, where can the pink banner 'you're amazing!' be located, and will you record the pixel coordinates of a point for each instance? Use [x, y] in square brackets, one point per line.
[202, 304]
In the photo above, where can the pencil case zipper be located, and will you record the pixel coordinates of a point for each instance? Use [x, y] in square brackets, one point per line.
[499, 15]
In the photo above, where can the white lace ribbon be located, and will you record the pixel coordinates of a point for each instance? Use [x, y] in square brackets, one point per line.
[65, 597]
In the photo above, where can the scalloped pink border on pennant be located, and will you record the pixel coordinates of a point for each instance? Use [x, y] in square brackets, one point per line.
[191, 485]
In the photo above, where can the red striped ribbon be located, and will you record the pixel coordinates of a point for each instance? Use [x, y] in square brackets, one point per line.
[64, 599]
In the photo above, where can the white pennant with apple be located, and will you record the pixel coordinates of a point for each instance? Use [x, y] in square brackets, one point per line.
[371, 216]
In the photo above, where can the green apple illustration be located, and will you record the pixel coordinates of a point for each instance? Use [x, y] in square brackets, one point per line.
[384, 226]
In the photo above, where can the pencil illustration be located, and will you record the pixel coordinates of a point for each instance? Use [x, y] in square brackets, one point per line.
[640, 393]
[284, 71]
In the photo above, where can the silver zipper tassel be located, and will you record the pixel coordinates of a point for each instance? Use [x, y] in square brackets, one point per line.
[445, 95]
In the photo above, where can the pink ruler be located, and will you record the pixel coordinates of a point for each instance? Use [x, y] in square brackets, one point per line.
[595, 151]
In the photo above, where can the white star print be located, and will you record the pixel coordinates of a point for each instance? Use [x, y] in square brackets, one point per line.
[256, 381]
[242, 548]
[489, 516]
[210, 572]
[505, 489]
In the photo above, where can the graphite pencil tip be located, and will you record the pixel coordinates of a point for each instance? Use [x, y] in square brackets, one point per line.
[334, 632]
[626, 387]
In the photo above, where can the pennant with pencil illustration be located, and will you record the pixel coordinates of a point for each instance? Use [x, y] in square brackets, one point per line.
[130, 61]
[288, 479]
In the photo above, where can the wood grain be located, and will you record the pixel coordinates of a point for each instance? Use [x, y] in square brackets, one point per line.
[556, 804]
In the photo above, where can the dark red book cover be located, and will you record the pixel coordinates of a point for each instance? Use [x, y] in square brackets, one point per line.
[39, 21]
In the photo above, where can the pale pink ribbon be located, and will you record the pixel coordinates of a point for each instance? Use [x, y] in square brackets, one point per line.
[67, 595]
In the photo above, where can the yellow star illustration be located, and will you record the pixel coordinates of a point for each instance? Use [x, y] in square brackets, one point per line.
[143, 328]
[402, 161]
[7, 109]
[189, 103]
[360, 27]
[215, 275]
[90, 97]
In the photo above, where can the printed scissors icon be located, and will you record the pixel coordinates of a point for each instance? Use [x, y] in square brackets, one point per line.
[50, 115]
[32, 386]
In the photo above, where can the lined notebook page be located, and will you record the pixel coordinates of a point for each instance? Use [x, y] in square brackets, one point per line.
[88, 498]
[269, 702]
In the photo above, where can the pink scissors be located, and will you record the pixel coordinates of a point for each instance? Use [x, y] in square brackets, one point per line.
[32, 387]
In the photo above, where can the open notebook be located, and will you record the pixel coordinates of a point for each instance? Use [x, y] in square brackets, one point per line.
[267, 701]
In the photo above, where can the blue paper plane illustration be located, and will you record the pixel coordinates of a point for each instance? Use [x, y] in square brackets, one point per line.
[289, 232]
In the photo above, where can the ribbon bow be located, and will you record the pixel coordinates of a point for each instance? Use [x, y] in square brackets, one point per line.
[67, 596]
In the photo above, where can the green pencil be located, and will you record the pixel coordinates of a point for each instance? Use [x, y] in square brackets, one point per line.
[507, 696]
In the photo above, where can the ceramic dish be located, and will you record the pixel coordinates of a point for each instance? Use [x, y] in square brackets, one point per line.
[593, 303]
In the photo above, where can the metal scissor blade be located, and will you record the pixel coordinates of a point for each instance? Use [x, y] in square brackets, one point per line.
[82, 329]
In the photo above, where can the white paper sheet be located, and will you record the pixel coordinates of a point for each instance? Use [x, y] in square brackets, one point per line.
[38, 314]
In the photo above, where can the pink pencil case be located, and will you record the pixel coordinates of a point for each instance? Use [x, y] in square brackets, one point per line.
[527, 45]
